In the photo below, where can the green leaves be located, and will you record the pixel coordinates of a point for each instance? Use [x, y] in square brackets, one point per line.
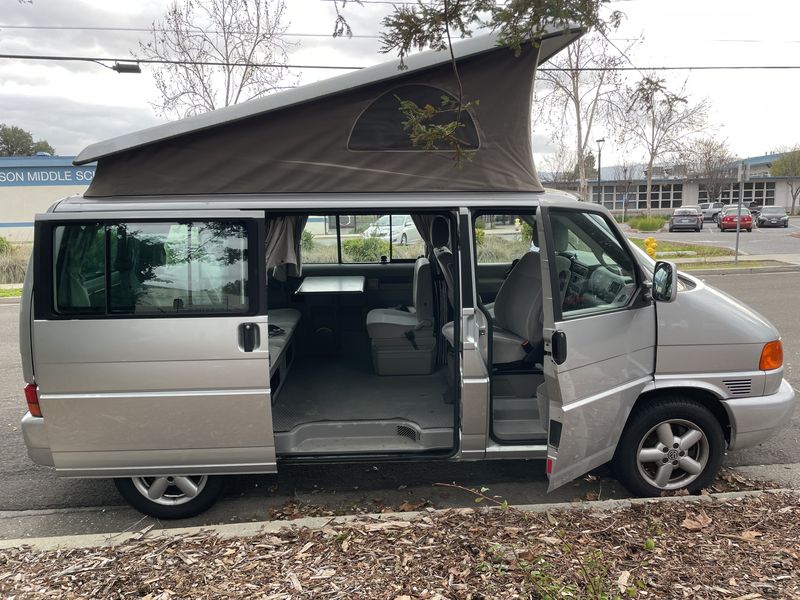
[429, 131]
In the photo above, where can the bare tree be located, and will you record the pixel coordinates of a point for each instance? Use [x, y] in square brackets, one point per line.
[234, 33]
[557, 166]
[788, 165]
[577, 93]
[708, 160]
[658, 121]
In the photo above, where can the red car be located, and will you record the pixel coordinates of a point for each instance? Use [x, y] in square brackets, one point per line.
[727, 219]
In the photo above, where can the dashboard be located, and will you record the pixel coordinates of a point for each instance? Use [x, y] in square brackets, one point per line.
[594, 285]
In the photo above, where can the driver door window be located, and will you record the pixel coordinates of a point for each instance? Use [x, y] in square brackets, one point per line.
[594, 270]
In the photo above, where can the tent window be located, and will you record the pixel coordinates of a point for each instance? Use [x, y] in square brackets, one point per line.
[380, 126]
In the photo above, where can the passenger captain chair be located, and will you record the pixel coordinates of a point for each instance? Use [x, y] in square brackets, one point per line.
[518, 313]
[402, 341]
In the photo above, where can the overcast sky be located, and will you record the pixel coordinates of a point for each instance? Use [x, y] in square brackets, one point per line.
[74, 104]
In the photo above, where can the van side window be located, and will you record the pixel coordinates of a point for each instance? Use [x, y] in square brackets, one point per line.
[594, 270]
[331, 239]
[79, 265]
[194, 267]
[150, 268]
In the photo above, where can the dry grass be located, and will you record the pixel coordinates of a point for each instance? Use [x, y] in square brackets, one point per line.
[13, 262]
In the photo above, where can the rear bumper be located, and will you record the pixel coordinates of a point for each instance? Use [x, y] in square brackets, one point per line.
[35, 436]
[757, 419]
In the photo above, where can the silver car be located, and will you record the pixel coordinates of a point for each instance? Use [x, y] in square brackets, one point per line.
[401, 229]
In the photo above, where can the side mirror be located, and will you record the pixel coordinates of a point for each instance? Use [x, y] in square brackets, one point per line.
[665, 285]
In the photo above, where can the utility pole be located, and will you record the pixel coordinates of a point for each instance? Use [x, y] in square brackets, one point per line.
[600, 143]
[744, 173]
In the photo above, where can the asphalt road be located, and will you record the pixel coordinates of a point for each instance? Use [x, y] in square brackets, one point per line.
[24, 486]
[775, 240]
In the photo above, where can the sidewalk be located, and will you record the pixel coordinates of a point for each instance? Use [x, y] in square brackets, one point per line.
[791, 259]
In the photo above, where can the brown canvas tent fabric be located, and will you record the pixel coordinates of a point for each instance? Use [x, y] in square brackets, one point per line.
[307, 147]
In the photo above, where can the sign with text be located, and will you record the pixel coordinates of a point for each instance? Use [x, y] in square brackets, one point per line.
[28, 176]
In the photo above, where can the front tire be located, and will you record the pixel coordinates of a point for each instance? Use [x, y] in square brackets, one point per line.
[173, 497]
[669, 444]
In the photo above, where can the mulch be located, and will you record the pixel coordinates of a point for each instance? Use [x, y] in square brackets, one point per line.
[743, 549]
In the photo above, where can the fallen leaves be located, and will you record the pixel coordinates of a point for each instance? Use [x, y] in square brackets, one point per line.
[700, 521]
[744, 549]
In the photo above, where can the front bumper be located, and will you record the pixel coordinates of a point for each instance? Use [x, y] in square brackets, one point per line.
[758, 418]
[35, 436]
[771, 224]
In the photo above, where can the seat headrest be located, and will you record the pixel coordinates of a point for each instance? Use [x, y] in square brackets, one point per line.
[560, 236]
[440, 232]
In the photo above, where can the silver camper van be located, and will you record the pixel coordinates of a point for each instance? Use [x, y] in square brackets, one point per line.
[211, 305]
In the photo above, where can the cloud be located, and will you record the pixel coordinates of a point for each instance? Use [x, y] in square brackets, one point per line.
[69, 125]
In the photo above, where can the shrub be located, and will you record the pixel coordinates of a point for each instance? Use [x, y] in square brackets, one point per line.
[480, 234]
[307, 241]
[365, 249]
[5, 246]
[653, 223]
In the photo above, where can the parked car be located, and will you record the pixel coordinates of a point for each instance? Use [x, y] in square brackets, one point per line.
[773, 216]
[754, 208]
[711, 210]
[727, 220]
[402, 229]
[686, 218]
[696, 207]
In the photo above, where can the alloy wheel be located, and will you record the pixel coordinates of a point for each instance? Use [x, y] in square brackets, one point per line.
[672, 454]
[171, 490]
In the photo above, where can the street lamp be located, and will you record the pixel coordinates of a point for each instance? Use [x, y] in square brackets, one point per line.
[600, 143]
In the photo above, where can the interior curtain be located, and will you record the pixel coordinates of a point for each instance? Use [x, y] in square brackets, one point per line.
[284, 256]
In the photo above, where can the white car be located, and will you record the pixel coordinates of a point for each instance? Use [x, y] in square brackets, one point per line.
[402, 230]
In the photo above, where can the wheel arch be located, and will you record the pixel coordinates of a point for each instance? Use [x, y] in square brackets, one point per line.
[702, 396]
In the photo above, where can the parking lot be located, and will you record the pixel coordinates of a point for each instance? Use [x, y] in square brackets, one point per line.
[770, 240]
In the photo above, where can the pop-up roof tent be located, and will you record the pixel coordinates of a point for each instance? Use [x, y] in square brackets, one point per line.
[345, 134]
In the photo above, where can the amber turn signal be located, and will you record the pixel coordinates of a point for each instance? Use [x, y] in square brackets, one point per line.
[771, 356]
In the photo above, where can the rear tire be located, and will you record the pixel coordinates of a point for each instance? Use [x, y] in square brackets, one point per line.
[173, 502]
[647, 463]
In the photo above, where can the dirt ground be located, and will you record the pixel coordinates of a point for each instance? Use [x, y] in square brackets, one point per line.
[742, 549]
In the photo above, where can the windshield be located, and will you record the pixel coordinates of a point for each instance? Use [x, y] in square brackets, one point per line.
[685, 211]
[735, 210]
[773, 210]
[397, 221]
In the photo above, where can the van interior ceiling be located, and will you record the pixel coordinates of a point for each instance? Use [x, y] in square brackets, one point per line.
[356, 304]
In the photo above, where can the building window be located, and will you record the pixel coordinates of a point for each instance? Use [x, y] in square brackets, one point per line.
[662, 195]
[760, 192]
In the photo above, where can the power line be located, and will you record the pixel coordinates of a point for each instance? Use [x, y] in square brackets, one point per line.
[148, 30]
[357, 67]
[146, 61]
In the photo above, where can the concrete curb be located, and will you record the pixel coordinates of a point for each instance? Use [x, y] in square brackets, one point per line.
[229, 530]
[12, 300]
[740, 270]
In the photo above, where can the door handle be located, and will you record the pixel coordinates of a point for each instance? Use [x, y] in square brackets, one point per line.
[249, 336]
[559, 347]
